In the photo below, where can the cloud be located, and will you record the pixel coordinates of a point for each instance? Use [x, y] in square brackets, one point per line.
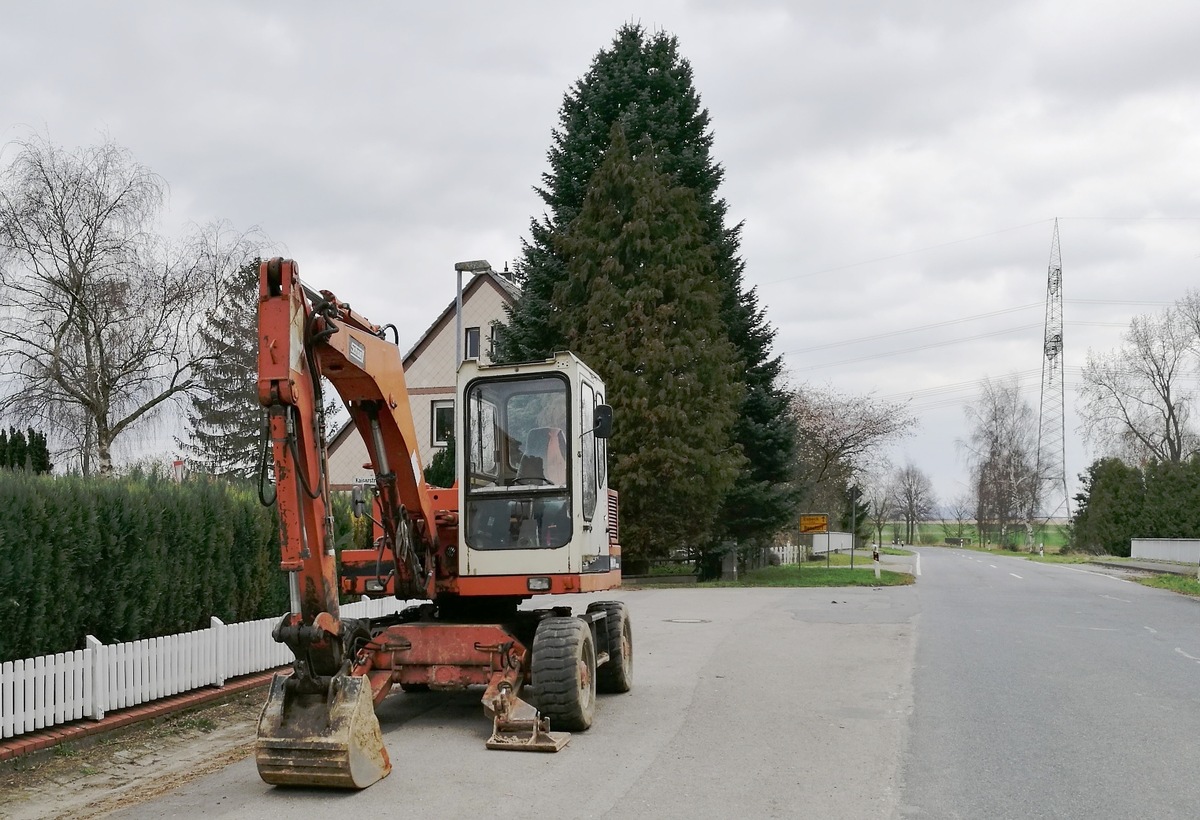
[896, 166]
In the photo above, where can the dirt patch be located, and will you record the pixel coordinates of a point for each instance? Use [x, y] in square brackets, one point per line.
[100, 775]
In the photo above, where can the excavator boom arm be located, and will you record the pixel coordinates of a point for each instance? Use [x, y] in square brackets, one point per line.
[305, 336]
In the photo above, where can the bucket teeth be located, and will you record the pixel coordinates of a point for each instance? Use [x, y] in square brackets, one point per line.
[325, 739]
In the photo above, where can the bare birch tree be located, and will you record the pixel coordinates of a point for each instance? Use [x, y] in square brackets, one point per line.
[1002, 454]
[1134, 402]
[99, 313]
[878, 495]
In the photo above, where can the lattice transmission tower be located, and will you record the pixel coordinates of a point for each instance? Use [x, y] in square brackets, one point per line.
[1051, 450]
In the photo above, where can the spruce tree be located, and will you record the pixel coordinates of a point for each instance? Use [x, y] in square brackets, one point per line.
[225, 416]
[1111, 507]
[39, 452]
[641, 300]
[642, 82]
[18, 448]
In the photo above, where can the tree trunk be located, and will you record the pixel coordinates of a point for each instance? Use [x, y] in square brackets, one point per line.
[104, 454]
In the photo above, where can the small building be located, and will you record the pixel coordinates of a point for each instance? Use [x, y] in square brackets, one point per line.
[429, 371]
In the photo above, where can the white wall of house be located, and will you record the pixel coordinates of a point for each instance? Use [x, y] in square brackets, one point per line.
[429, 371]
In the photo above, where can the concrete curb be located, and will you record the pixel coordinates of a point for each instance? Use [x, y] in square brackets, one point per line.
[1151, 566]
[43, 739]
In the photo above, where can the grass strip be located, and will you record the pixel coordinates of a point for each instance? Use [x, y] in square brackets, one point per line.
[806, 576]
[1184, 584]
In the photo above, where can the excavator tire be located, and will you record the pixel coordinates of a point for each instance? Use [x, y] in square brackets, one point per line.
[616, 676]
[325, 739]
[564, 673]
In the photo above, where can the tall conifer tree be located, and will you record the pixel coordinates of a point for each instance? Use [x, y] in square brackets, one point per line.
[225, 416]
[642, 82]
[640, 297]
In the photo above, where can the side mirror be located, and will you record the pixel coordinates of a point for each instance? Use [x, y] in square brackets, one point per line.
[358, 502]
[604, 421]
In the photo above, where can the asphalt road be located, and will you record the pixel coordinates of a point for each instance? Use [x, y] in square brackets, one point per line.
[1050, 691]
[746, 703]
[994, 688]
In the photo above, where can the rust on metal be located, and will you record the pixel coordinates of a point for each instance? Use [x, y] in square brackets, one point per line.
[326, 739]
[518, 727]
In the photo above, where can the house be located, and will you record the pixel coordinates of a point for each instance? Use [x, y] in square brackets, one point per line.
[429, 371]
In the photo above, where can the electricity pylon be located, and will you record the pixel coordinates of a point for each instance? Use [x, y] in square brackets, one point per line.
[1051, 451]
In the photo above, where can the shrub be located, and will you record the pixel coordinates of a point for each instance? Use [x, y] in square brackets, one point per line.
[129, 558]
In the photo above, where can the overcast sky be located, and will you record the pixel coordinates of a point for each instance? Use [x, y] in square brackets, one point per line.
[897, 171]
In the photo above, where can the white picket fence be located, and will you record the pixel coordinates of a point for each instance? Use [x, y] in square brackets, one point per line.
[36, 693]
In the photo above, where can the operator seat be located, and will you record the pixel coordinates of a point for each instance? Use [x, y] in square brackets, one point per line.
[530, 471]
[549, 444]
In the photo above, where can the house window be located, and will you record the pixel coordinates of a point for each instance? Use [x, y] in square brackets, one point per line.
[471, 343]
[442, 423]
[493, 341]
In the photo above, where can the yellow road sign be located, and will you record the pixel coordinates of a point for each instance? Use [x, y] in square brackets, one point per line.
[814, 523]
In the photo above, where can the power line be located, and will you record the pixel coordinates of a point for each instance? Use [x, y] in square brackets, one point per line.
[952, 242]
[904, 253]
[917, 349]
[975, 317]
[917, 329]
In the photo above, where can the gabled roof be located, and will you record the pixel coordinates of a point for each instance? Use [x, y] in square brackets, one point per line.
[508, 290]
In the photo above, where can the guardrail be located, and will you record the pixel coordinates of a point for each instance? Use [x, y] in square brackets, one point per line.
[36, 693]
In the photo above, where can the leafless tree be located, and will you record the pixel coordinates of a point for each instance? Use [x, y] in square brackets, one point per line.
[1135, 403]
[878, 495]
[841, 436]
[913, 499]
[98, 312]
[1002, 454]
[958, 513]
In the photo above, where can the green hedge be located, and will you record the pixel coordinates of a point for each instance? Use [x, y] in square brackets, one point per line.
[129, 558]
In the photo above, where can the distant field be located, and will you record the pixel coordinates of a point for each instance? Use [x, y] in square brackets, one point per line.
[1053, 536]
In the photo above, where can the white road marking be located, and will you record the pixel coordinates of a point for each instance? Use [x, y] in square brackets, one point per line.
[993, 566]
[1013, 574]
[1153, 631]
[1186, 655]
[1111, 598]
[1100, 574]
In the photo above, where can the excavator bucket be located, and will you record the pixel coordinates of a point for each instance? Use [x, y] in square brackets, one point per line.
[329, 740]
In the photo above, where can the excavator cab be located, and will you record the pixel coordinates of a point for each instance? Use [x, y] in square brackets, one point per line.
[533, 487]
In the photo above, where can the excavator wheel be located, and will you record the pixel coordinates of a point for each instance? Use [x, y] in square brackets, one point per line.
[326, 739]
[616, 676]
[564, 672]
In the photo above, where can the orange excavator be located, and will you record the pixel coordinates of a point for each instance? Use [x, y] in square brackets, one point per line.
[530, 514]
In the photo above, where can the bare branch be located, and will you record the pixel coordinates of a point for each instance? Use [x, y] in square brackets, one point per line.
[98, 315]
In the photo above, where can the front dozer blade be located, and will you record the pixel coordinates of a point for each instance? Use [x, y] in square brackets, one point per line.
[524, 730]
[329, 739]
